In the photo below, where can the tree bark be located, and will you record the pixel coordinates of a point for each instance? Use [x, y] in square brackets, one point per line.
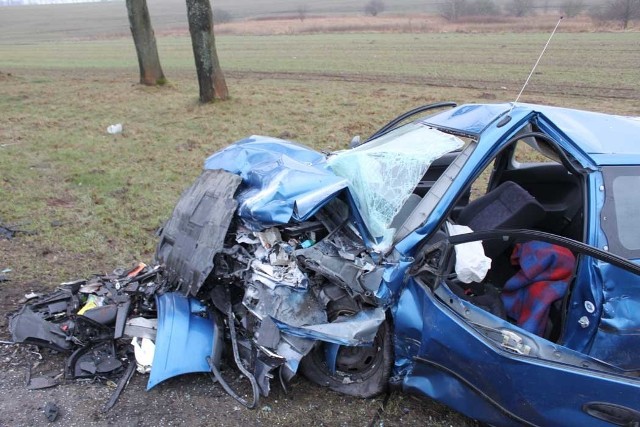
[210, 77]
[145, 40]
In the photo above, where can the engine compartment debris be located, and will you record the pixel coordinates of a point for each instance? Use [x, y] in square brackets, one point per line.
[274, 293]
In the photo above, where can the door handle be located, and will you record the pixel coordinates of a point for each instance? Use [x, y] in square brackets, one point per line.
[612, 413]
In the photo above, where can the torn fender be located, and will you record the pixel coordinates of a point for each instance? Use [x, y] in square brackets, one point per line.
[188, 333]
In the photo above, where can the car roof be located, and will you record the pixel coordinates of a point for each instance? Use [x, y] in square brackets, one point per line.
[595, 133]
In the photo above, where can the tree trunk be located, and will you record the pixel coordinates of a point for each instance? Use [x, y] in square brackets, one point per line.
[627, 14]
[145, 40]
[210, 78]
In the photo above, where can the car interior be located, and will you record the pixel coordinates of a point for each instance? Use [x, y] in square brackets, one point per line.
[530, 184]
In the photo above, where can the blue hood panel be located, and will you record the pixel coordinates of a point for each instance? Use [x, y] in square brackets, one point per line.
[282, 180]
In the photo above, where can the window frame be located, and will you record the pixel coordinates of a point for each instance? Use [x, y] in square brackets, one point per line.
[608, 215]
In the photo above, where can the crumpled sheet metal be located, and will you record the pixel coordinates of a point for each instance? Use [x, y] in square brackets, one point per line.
[616, 339]
[357, 330]
[383, 173]
[285, 303]
[282, 180]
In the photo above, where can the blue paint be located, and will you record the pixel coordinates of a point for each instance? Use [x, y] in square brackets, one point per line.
[467, 372]
[442, 344]
[282, 180]
[331, 355]
[185, 326]
[594, 133]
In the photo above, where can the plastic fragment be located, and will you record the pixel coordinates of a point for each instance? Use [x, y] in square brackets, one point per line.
[114, 129]
[144, 350]
[38, 383]
[51, 411]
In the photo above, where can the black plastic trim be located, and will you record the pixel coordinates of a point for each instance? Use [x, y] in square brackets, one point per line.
[393, 123]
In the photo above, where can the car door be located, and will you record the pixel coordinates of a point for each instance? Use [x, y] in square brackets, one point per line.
[452, 349]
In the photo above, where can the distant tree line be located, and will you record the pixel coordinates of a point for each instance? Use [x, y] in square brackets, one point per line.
[622, 11]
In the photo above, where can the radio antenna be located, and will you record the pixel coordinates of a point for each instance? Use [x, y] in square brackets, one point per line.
[535, 65]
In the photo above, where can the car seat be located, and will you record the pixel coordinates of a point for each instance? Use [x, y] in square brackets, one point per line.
[507, 206]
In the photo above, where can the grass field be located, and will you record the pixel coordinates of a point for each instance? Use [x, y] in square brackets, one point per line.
[93, 201]
[57, 99]
[583, 64]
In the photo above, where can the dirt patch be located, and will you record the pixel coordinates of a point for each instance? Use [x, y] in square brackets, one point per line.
[190, 400]
[402, 23]
[65, 202]
[5, 76]
[603, 91]
[194, 400]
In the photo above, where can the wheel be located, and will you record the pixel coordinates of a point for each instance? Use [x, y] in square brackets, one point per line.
[360, 371]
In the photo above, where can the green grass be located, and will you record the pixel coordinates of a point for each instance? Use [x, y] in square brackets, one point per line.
[95, 199]
[579, 63]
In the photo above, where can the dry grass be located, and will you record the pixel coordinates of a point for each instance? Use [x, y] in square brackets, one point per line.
[415, 23]
[35, 24]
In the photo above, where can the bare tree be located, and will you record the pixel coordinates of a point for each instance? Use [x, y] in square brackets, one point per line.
[302, 11]
[374, 7]
[520, 8]
[623, 11]
[452, 10]
[221, 16]
[483, 8]
[210, 77]
[145, 41]
[572, 8]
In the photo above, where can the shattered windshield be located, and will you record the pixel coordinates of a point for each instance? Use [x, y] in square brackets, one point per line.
[384, 172]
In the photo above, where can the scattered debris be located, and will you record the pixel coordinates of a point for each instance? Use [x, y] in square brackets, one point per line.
[114, 129]
[122, 384]
[9, 231]
[51, 411]
[39, 383]
[88, 319]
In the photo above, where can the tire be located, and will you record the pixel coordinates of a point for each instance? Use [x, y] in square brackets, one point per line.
[360, 371]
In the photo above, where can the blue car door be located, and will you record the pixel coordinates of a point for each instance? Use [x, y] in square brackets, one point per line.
[453, 348]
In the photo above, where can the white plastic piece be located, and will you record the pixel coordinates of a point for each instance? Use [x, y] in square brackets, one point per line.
[143, 349]
[472, 264]
[114, 129]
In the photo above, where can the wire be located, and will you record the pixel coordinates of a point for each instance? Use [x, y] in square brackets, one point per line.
[236, 356]
[535, 65]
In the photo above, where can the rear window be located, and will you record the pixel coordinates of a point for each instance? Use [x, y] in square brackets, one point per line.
[621, 211]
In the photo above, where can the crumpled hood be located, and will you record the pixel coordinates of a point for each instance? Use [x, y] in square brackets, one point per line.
[282, 180]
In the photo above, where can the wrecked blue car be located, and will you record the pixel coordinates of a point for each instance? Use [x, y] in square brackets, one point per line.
[481, 255]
